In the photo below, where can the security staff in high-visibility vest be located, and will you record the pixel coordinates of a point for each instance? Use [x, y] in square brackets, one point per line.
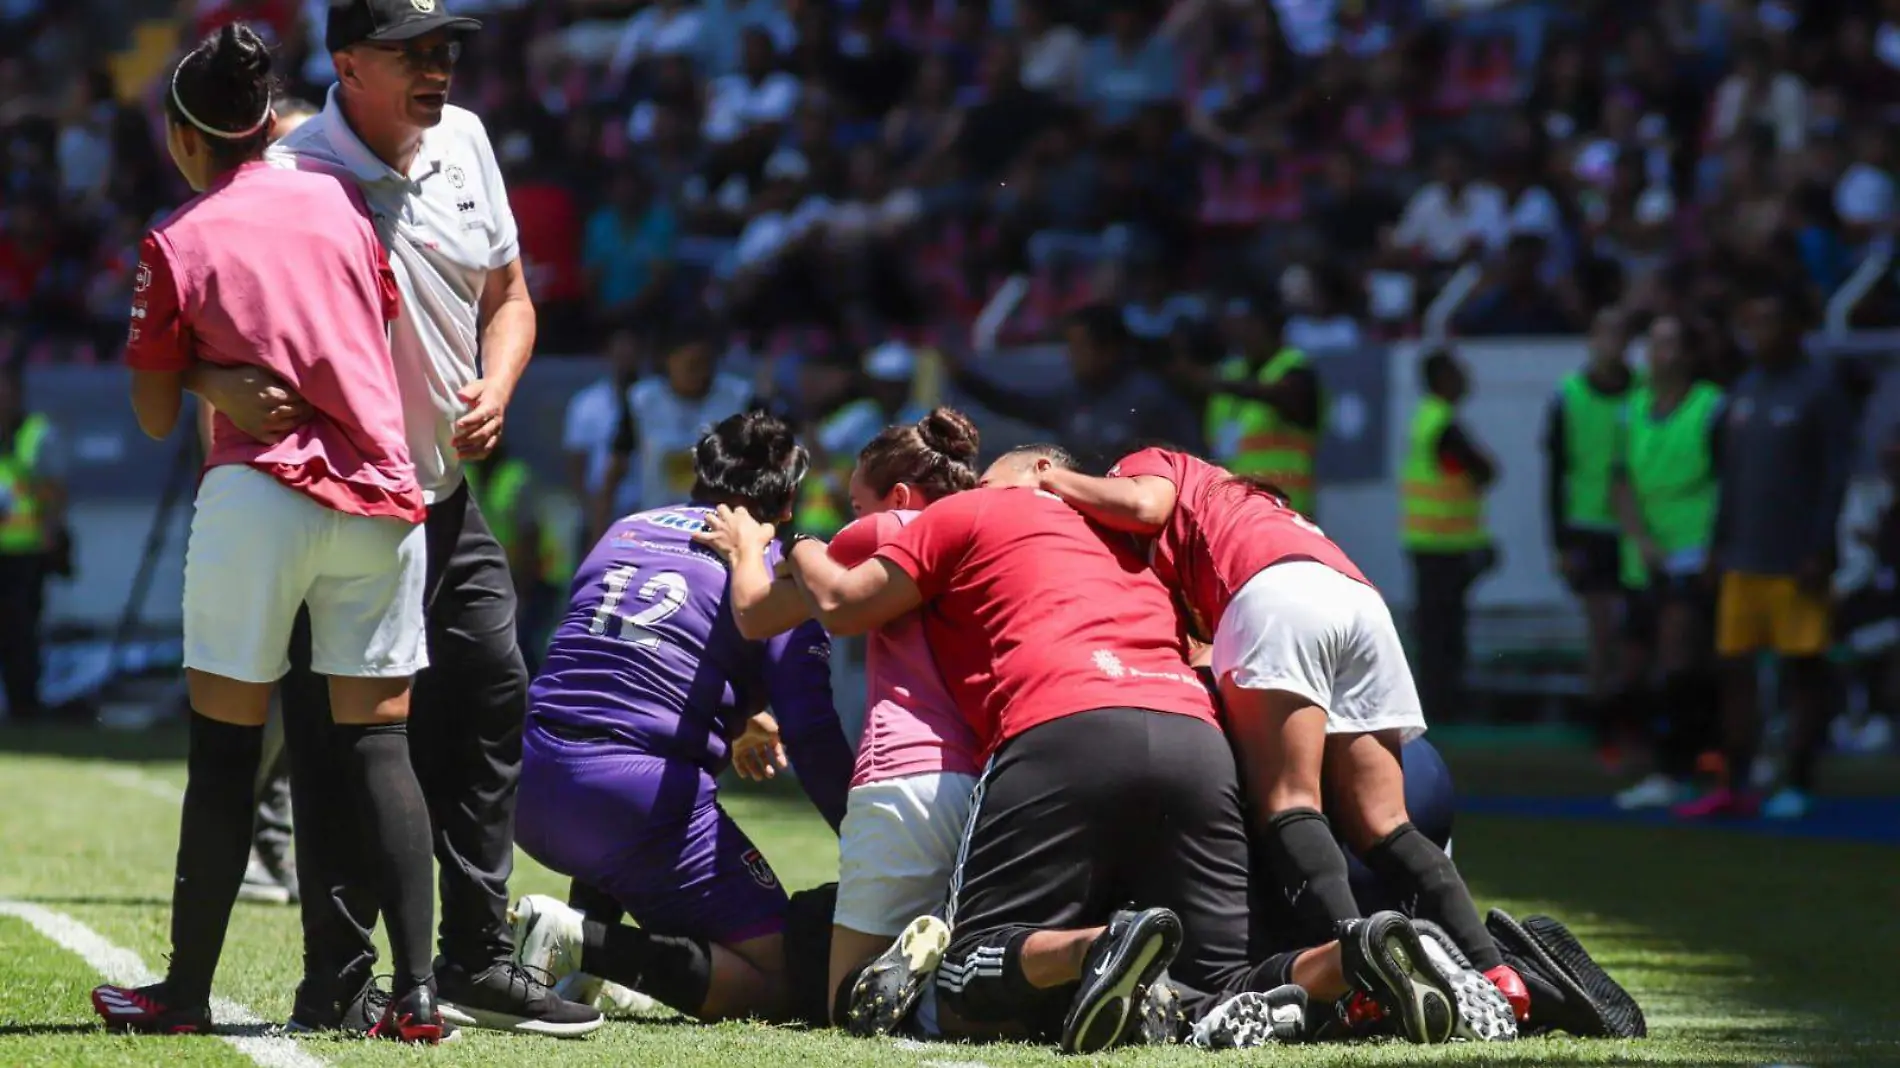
[1265, 407]
[1580, 441]
[1442, 488]
[883, 397]
[539, 557]
[1667, 488]
[32, 539]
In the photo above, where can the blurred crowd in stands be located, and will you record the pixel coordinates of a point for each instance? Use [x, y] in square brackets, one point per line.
[853, 170]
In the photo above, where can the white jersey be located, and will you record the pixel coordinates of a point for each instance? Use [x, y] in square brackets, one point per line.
[669, 427]
[447, 224]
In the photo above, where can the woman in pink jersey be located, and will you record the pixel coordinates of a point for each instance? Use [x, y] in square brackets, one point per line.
[1315, 686]
[917, 761]
[282, 269]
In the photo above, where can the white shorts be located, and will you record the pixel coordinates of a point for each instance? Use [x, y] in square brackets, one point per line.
[1303, 628]
[259, 549]
[897, 848]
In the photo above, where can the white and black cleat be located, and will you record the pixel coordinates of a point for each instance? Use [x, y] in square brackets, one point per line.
[1484, 1013]
[1253, 1019]
[888, 987]
[1123, 963]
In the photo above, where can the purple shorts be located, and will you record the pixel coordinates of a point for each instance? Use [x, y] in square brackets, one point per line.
[649, 832]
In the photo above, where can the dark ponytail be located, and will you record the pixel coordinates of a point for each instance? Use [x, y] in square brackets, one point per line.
[223, 89]
[936, 454]
[750, 459]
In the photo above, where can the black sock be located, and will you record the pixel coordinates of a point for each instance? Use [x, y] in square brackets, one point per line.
[1425, 876]
[395, 825]
[598, 904]
[214, 846]
[1310, 871]
[675, 971]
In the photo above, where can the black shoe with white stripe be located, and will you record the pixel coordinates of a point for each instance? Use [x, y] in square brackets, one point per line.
[1126, 959]
[1484, 1013]
[888, 987]
[1384, 956]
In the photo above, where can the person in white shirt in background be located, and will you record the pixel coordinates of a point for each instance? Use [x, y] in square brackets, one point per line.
[1864, 197]
[756, 99]
[1758, 92]
[671, 411]
[1454, 215]
[1052, 51]
[599, 416]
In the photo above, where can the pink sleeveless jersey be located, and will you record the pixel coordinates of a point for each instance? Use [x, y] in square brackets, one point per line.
[911, 724]
[282, 269]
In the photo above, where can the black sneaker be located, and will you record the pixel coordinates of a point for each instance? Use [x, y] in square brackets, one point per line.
[1383, 955]
[1122, 964]
[148, 1010]
[316, 1009]
[508, 997]
[1588, 1003]
[888, 987]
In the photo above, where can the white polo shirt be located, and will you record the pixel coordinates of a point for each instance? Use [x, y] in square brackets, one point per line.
[447, 224]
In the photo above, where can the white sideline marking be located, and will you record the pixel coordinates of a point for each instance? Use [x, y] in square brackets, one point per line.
[143, 783]
[122, 966]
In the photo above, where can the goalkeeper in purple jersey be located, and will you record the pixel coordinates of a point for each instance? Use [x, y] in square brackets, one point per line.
[644, 683]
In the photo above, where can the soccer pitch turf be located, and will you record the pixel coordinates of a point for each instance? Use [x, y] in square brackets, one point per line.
[1743, 949]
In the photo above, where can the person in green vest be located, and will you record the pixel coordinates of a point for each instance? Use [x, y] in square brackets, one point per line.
[33, 542]
[1581, 428]
[1667, 488]
[1444, 533]
[1264, 407]
[881, 396]
[539, 558]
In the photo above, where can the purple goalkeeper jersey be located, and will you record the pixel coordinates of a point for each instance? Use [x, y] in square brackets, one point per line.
[648, 653]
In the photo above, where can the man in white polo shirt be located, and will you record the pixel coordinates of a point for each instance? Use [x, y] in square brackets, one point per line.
[463, 339]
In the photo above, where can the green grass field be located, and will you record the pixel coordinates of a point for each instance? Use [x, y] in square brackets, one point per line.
[1743, 949]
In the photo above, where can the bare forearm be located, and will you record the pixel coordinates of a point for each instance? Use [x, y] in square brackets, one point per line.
[763, 606]
[1117, 503]
[508, 342]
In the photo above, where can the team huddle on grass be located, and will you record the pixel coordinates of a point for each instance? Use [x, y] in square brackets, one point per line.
[1141, 762]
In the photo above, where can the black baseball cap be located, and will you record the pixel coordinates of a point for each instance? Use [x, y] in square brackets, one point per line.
[353, 22]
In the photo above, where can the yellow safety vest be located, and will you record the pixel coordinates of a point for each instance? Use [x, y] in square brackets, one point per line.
[1442, 513]
[1250, 438]
[500, 500]
[20, 532]
[818, 513]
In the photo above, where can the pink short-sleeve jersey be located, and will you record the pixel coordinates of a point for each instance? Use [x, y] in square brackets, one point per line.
[282, 269]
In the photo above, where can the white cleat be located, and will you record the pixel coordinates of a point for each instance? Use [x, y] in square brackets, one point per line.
[548, 936]
[1656, 791]
[1484, 1014]
[1253, 1019]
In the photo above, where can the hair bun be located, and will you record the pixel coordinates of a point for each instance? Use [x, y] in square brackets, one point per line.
[764, 441]
[950, 432]
[240, 52]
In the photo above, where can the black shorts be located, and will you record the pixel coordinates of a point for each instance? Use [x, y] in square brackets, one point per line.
[1593, 562]
[1643, 608]
[1087, 814]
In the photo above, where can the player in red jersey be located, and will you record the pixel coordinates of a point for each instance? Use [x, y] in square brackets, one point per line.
[1314, 682]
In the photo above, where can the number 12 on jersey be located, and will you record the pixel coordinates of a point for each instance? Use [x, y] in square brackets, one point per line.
[664, 592]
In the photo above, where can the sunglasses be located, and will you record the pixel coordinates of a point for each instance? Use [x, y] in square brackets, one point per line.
[443, 54]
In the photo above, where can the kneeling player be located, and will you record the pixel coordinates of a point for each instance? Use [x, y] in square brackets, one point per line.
[643, 684]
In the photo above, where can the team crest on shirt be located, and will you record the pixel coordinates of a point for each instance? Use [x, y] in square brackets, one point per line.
[457, 176]
[427, 7]
[760, 871]
[143, 280]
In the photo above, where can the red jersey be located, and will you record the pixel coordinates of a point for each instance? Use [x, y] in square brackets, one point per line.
[1034, 613]
[281, 269]
[1224, 532]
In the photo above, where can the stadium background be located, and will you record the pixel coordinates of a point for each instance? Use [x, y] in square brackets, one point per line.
[1019, 160]
[1277, 146]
